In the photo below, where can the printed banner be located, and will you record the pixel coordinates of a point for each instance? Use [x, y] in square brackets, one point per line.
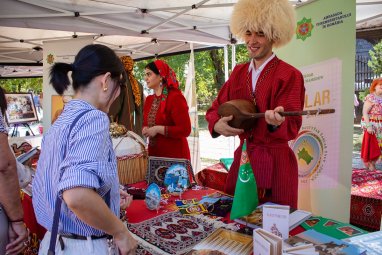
[323, 49]
[316, 137]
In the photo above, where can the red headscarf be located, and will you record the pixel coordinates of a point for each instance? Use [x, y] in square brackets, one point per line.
[167, 74]
[169, 81]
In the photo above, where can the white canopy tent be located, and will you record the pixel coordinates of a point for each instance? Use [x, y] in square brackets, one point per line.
[131, 27]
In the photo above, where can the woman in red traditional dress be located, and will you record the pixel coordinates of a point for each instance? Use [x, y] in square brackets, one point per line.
[371, 124]
[165, 115]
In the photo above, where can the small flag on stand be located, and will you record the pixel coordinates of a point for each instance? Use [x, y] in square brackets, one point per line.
[246, 198]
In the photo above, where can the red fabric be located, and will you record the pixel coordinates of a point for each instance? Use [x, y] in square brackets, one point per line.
[370, 150]
[167, 74]
[138, 211]
[366, 196]
[213, 177]
[169, 82]
[177, 121]
[274, 163]
[36, 231]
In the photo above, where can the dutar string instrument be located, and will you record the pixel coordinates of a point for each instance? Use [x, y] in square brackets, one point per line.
[244, 113]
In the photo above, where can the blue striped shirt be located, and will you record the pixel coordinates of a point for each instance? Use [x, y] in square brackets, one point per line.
[3, 126]
[89, 162]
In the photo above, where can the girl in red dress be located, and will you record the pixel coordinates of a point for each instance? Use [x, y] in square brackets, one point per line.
[371, 124]
[165, 115]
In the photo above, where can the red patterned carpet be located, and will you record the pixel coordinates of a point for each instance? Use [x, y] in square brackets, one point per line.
[366, 199]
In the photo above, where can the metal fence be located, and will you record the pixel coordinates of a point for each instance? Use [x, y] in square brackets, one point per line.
[363, 73]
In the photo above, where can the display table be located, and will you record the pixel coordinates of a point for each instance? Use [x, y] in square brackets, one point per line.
[166, 230]
[366, 199]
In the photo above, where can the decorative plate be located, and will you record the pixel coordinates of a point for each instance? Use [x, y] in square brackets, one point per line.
[176, 179]
[153, 196]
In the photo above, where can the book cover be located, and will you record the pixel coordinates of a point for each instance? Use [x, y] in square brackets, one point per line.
[332, 228]
[323, 244]
[276, 220]
[27, 155]
[265, 243]
[297, 217]
[371, 242]
[260, 245]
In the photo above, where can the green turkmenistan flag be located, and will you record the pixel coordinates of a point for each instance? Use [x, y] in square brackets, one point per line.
[246, 199]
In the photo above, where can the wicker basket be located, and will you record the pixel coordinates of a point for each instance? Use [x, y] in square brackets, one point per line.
[132, 168]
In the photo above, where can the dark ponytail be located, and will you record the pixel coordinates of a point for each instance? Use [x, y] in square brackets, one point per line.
[91, 61]
[59, 76]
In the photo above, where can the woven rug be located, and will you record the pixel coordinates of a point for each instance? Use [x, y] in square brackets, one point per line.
[174, 233]
[366, 199]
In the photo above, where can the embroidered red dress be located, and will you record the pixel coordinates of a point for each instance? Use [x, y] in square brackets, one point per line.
[372, 143]
[273, 162]
[177, 124]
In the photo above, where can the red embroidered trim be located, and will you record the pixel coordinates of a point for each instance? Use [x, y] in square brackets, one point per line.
[152, 115]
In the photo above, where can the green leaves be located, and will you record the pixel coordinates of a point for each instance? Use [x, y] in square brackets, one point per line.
[375, 63]
[22, 85]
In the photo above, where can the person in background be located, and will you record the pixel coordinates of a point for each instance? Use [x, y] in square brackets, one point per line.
[165, 115]
[77, 163]
[273, 86]
[36, 101]
[127, 109]
[356, 103]
[371, 123]
[13, 234]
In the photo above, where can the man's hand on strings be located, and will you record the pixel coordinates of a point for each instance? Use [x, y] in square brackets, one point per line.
[272, 117]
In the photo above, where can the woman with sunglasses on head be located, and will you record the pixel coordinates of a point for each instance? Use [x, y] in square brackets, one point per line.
[77, 168]
[165, 114]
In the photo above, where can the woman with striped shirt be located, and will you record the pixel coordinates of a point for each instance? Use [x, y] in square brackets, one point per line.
[77, 162]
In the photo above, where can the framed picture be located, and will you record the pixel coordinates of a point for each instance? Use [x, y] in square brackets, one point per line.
[21, 108]
[158, 166]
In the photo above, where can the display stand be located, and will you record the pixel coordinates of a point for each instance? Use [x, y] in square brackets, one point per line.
[14, 132]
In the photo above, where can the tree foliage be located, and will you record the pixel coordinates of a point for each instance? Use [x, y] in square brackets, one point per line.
[22, 84]
[209, 73]
[375, 61]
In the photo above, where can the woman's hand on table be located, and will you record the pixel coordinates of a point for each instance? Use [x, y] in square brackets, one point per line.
[125, 199]
[126, 244]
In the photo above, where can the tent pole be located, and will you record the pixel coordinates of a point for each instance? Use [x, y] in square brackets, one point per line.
[225, 62]
[233, 56]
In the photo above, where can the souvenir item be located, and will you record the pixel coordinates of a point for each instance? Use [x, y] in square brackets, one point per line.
[176, 179]
[158, 167]
[223, 241]
[131, 153]
[153, 195]
[117, 130]
[193, 209]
